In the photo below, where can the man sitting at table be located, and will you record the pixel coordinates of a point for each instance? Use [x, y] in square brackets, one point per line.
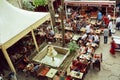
[51, 32]
[90, 37]
[84, 36]
[96, 39]
[68, 36]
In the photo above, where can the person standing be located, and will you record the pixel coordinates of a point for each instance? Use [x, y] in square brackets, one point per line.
[1, 76]
[118, 22]
[99, 16]
[113, 46]
[110, 27]
[105, 20]
[105, 34]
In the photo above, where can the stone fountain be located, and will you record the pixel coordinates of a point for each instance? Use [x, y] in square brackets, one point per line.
[52, 55]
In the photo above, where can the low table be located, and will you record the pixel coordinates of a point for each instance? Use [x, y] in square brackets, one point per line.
[76, 37]
[76, 74]
[51, 73]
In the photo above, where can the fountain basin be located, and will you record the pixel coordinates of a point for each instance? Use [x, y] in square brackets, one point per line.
[42, 56]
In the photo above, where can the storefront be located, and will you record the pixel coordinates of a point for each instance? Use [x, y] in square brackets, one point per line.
[107, 7]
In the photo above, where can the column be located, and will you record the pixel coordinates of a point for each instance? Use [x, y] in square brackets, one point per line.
[8, 59]
[34, 39]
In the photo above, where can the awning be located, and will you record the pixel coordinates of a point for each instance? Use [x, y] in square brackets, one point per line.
[16, 23]
[89, 3]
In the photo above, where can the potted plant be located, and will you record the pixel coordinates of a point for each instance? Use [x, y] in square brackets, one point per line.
[73, 46]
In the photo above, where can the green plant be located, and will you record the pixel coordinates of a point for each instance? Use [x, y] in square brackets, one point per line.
[27, 5]
[73, 46]
[40, 2]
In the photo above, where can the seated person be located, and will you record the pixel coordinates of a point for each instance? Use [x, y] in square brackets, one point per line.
[51, 32]
[82, 67]
[84, 36]
[25, 60]
[68, 77]
[29, 67]
[68, 36]
[50, 35]
[78, 26]
[13, 57]
[35, 68]
[80, 41]
[96, 39]
[82, 49]
[90, 49]
[57, 76]
[90, 37]
[88, 28]
[74, 65]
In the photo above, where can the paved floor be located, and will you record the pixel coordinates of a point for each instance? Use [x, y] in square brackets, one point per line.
[110, 67]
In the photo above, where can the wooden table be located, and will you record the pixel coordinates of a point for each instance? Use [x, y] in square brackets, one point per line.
[98, 31]
[41, 33]
[83, 29]
[56, 15]
[58, 36]
[76, 74]
[51, 73]
[68, 28]
[43, 71]
[75, 37]
[93, 22]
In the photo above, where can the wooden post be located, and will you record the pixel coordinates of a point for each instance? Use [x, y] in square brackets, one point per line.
[34, 39]
[62, 23]
[8, 59]
[52, 12]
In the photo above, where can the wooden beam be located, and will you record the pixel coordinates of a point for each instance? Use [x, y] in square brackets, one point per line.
[8, 59]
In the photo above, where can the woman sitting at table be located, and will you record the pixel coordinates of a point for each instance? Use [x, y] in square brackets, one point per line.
[74, 65]
[84, 36]
[90, 49]
[68, 37]
[82, 49]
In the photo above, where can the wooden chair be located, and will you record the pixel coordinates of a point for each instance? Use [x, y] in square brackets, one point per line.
[98, 60]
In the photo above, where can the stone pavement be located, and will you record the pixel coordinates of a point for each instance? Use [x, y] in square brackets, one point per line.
[110, 67]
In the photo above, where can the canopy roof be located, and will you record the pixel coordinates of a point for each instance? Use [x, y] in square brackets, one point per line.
[16, 23]
[89, 2]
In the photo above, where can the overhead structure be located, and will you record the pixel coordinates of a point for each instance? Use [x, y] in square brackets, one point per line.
[15, 23]
[89, 2]
[95, 3]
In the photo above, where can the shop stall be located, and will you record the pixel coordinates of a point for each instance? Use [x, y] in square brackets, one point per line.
[85, 6]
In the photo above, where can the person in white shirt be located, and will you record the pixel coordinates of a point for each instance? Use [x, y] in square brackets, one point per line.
[118, 22]
[84, 36]
[110, 27]
[90, 37]
[82, 49]
[88, 29]
[96, 39]
[1, 77]
[109, 16]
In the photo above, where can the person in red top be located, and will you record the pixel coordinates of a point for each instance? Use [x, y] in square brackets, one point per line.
[105, 19]
[68, 77]
[113, 46]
